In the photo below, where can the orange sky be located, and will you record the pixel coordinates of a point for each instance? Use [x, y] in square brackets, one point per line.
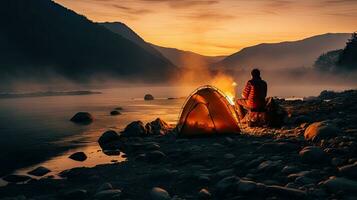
[222, 27]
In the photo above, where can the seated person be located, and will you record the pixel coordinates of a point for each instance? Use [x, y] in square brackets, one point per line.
[254, 95]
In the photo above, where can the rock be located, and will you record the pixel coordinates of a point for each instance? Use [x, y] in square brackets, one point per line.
[245, 186]
[78, 156]
[108, 194]
[76, 194]
[255, 162]
[105, 186]
[16, 178]
[278, 147]
[115, 112]
[204, 194]
[159, 194]
[285, 191]
[270, 165]
[337, 161]
[82, 118]
[303, 180]
[336, 184]
[312, 154]
[225, 173]
[349, 171]
[229, 156]
[148, 97]
[107, 140]
[321, 130]
[300, 174]
[135, 129]
[155, 156]
[152, 146]
[39, 171]
[302, 119]
[227, 185]
[114, 152]
[157, 127]
[289, 169]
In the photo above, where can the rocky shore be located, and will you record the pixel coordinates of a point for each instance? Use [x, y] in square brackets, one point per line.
[313, 156]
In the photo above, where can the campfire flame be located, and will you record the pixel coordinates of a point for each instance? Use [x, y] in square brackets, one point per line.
[227, 85]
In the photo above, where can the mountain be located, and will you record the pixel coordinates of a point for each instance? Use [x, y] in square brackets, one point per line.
[183, 59]
[285, 55]
[187, 59]
[41, 38]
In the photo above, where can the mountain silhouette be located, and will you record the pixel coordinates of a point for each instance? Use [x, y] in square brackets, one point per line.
[183, 59]
[42, 37]
[285, 55]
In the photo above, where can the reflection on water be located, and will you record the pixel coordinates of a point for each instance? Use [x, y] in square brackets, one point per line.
[37, 129]
[60, 163]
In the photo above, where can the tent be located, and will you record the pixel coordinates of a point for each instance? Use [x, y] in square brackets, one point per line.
[207, 112]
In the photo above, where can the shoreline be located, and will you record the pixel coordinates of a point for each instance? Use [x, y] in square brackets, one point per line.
[266, 163]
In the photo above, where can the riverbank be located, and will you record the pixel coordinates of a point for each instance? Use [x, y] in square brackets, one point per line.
[302, 160]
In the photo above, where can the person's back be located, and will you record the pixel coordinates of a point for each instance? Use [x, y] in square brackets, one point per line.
[254, 95]
[255, 92]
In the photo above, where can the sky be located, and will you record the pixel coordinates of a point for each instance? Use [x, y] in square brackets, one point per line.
[222, 27]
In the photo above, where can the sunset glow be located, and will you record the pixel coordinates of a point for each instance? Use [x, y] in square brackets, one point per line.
[222, 27]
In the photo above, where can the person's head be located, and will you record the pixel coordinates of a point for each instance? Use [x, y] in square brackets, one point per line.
[255, 73]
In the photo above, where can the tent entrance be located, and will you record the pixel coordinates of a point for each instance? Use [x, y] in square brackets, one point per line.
[206, 112]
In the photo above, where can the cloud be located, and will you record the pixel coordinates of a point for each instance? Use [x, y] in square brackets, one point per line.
[131, 10]
[209, 15]
[339, 1]
[184, 3]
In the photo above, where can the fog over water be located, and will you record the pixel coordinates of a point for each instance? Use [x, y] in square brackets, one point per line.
[35, 129]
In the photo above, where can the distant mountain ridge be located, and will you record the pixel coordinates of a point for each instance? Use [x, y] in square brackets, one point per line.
[42, 37]
[285, 55]
[183, 59]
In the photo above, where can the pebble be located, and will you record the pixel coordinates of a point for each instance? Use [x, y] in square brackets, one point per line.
[108, 194]
[155, 156]
[76, 194]
[204, 194]
[312, 154]
[349, 170]
[158, 193]
[336, 184]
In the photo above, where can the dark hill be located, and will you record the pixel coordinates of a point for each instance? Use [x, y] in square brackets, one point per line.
[42, 37]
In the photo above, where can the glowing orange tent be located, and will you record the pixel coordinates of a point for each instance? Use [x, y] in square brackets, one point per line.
[206, 112]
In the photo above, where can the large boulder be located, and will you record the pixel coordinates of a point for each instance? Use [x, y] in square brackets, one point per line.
[148, 97]
[135, 129]
[321, 130]
[82, 118]
[312, 154]
[108, 140]
[157, 127]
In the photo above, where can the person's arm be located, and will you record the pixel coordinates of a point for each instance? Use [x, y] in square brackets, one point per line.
[246, 90]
